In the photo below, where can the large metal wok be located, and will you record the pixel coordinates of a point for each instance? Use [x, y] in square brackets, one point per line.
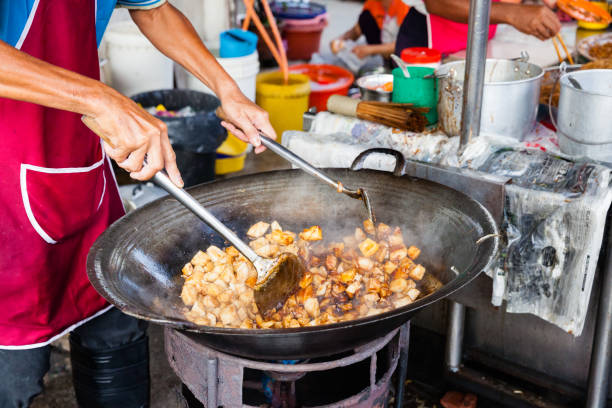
[136, 263]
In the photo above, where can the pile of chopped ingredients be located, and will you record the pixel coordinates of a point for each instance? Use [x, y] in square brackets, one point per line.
[601, 51]
[369, 272]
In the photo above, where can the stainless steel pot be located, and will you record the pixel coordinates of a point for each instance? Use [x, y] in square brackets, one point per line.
[584, 126]
[367, 84]
[510, 98]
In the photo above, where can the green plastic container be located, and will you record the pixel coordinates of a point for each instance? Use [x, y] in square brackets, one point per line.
[423, 93]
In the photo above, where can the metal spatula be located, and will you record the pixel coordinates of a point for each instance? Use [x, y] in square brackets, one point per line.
[277, 279]
[359, 193]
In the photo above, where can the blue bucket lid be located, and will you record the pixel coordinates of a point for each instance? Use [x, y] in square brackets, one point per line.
[237, 43]
[296, 10]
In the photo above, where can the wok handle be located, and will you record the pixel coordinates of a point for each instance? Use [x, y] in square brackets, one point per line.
[202, 213]
[400, 162]
[297, 161]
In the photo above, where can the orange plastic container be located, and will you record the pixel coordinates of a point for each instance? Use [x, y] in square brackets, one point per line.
[325, 81]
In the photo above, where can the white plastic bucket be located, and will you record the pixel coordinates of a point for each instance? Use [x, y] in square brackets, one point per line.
[134, 64]
[243, 70]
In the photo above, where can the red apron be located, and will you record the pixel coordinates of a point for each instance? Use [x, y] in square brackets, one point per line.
[57, 190]
[448, 36]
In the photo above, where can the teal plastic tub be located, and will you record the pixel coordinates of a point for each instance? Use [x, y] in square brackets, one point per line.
[423, 93]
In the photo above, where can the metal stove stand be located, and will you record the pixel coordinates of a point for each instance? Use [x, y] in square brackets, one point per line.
[217, 379]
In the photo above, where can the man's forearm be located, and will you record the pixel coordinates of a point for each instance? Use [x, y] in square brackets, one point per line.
[459, 10]
[25, 78]
[172, 33]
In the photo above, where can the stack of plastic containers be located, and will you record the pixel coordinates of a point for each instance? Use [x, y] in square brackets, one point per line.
[302, 26]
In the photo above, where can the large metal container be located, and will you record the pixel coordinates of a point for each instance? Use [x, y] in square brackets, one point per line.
[510, 98]
[584, 126]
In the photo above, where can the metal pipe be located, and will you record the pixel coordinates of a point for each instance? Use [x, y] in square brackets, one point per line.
[599, 372]
[476, 56]
[454, 336]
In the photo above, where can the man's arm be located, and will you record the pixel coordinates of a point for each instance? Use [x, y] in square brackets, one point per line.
[172, 33]
[535, 20]
[128, 129]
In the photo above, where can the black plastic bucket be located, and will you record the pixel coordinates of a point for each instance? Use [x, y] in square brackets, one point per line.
[195, 139]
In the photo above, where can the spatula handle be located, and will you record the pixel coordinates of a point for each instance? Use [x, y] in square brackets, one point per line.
[296, 160]
[202, 213]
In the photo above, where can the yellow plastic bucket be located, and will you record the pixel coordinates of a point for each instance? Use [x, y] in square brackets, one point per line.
[286, 104]
[230, 155]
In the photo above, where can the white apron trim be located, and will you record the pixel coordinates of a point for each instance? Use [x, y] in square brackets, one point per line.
[57, 336]
[28, 25]
[26, 199]
[28, 208]
[103, 191]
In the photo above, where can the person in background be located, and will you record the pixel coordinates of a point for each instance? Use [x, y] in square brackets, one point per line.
[442, 24]
[379, 23]
[58, 193]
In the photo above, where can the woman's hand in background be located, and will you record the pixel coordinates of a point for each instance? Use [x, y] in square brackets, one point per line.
[536, 20]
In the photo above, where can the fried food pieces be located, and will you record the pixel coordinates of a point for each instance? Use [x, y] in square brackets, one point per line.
[369, 272]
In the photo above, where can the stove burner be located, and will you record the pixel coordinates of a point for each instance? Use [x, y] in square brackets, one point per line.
[195, 364]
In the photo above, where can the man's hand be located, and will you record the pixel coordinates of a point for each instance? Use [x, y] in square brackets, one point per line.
[539, 21]
[246, 120]
[131, 133]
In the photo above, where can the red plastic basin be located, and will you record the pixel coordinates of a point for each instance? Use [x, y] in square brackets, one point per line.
[325, 81]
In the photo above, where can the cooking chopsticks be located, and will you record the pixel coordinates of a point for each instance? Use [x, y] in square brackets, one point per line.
[560, 39]
[279, 54]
